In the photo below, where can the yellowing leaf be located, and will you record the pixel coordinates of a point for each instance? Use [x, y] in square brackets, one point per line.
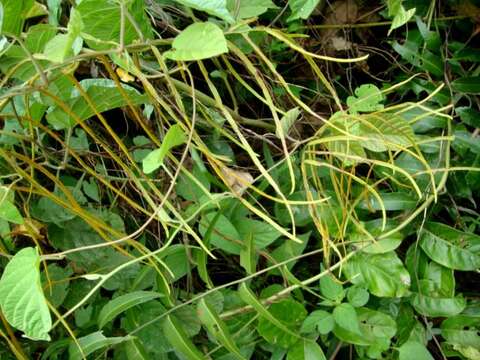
[198, 41]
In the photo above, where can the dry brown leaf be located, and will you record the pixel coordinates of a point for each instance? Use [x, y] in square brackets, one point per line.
[237, 180]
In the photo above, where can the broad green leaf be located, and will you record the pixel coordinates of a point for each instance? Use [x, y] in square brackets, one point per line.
[469, 116]
[290, 314]
[300, 212]
[384, 131]
[177, 337]
[346, 317]
[301, 9]
[331, 288]
[134, 350]
[65, 45]
[57, 287]
[262, 232]
[450, 247]
[367, 99]
[382, 274]
[91, 343]
[176, 258]
[287, 121]
[439, 280]
[290, 249]
[467, 85]
[213, 7]
[90, 188]
[306, 350]
[276, 325]
[223, 235]
[14, 15]
[400, 15]
[21, 296]
[104, 95]
[101, 19]
[249, 8]
[77, 233]
[15, 57]
[462, 330]
[217, 328]
[357, 296]
[438, 307]
[413, 350]
[318, 320]
[122, 303]
[393, 201]
[375, 327]
[198, 41]
[9, 212]
[175, 136]
[59, 48]
[344, 149]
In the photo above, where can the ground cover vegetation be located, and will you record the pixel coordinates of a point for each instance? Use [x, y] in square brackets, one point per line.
[239, 179]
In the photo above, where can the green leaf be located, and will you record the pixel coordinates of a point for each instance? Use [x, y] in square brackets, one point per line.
[290, 249]
[437, 307]
[65, 45]
[467, 85]
[14, 15]
[331, 288]
[318, 320]
[250, 8]
[175, 136]
[384, 131]
[346, 317]
[462, 330]
[198, 41]
[248, 255]
[9, 212]
[217, 328]
[450, 247]
[101, 19]
[178, 339]
[382, 274]
[400, 15]
[301, 9]
[223, 234]
[357, 296]
[213, 7]
[276, 324]
[122, 303]
[104, 95]
[306, 350]
[287, 121]
[367, 99]
[57, 287]
[262, 232]
[393, 201]
[21, 296]
[375, 327]
[91, 343]
[176, 258]
[468, 116]
[414, 350]
[134, 350]
[290, 314]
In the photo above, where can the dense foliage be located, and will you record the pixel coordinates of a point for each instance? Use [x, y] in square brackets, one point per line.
[239, 179]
